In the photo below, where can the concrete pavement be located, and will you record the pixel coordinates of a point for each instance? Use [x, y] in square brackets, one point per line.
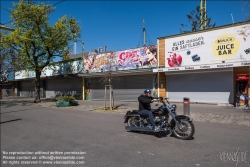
[47, 133]
[199, 112]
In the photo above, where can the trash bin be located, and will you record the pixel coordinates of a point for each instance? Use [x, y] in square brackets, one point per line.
[186, 106]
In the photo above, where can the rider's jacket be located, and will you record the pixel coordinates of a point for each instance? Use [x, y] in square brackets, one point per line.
[144, 102]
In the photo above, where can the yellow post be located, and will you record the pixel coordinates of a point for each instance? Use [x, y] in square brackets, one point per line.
[83, 88]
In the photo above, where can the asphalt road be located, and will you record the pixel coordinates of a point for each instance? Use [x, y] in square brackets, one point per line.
[101, 139]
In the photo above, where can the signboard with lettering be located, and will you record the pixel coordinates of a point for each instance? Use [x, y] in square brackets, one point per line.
[143, 57]
[213, 49]
[199, 67]
[60, 69]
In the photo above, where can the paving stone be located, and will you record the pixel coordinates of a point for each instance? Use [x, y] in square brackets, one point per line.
[223, 121]
[246, 123]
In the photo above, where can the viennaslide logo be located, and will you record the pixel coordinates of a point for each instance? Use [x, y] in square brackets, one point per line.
[236, 156]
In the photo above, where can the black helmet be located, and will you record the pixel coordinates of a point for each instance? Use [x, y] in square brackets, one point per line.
[147, 90]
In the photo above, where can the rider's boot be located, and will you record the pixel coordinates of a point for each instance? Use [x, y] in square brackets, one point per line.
[157, 129]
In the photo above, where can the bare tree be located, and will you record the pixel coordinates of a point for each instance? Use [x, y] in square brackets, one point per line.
[108, 76]
[7, 66]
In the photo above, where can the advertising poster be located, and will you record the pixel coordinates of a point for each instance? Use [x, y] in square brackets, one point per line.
[213, 49]
[60, 69]
[127, 59]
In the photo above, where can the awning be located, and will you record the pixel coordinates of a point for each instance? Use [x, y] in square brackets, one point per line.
[138, 71]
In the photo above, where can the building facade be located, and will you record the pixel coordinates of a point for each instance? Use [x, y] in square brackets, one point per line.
[83, 78]
[205, 66]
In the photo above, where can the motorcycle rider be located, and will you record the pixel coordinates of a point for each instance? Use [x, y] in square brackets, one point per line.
[145, 107]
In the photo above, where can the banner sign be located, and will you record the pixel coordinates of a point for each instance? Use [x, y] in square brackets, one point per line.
[61, 69]
[143, 57]
[213, 49]
[210, 66]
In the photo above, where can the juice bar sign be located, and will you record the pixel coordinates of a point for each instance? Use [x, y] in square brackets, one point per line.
[225, 46]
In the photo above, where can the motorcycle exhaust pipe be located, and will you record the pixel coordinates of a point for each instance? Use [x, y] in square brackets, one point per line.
[134, 128]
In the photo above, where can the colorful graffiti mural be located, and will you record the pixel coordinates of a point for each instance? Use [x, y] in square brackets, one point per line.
[128, 59]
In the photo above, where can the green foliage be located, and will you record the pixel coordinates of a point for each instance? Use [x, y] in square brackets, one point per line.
[69, 99]
[36, 41]
[196, 22]
[7, 63]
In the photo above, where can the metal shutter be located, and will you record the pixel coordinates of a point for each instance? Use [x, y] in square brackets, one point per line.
[215, 87]
[69, 86]
[127, 88]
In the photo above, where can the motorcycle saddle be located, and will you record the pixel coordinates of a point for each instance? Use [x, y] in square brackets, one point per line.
[134, 112]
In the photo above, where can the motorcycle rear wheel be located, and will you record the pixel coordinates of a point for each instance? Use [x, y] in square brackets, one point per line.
[187, 132]
[132, 121]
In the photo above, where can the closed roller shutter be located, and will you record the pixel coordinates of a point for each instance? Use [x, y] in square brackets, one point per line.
[64, 86]
[127, 88]
[215, 87]
[27, 89]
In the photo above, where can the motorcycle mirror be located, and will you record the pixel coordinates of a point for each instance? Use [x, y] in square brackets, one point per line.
[156, 104]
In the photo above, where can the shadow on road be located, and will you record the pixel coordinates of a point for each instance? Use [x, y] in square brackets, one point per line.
[120, 105]
[158, 135]
[10, 121]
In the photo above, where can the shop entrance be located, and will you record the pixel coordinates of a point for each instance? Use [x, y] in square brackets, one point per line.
[242, 96]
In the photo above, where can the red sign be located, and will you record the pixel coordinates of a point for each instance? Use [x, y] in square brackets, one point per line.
[242, 77]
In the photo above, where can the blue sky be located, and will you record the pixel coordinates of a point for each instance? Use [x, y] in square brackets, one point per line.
[118, 24]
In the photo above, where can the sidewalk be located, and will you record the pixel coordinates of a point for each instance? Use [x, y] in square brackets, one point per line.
[199, 112]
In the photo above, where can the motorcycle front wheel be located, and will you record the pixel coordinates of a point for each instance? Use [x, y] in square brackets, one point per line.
[186, 132]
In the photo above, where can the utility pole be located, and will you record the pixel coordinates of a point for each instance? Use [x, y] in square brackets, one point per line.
[83, 56]
[203, 13]
[144, 33]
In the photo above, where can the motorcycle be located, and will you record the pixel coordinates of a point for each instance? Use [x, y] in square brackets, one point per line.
[182, 126]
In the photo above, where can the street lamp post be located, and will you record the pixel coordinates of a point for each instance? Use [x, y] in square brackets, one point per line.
[83, 56]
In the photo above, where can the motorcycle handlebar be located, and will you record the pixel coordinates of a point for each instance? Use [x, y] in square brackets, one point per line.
[161, 100]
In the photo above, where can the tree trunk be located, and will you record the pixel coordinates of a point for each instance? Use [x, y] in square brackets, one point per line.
[1, 92]
[37, 87]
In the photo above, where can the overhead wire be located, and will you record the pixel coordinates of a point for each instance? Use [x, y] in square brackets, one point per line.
[148, 41]
[140, 40]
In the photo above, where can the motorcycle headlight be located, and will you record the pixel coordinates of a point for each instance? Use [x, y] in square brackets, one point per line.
[173, 107]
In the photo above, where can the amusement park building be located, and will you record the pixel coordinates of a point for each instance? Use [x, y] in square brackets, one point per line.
[207, 66]
[82, 78]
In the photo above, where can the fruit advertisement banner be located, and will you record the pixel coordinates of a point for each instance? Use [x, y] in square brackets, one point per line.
[214, 49]
[143, 57]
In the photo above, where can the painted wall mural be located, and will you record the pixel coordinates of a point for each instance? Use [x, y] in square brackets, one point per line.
[143, 57]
